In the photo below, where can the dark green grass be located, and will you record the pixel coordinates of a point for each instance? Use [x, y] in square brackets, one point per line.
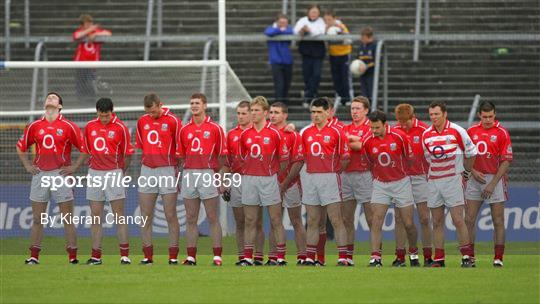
[54, 281]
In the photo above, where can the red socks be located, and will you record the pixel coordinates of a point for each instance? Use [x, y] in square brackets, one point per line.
[376, 255]
[248, 252]
[96, 253]
[350, 251]
[148, 252]
[321, 247]
[466, 250]
[281, 250]
[499, 252]
[72, 252]
[439, 254]
[34, 251]
[192, 252]
[217, 251]
[173, 252]
[400, 254]
[311, 250]
[124, 249]
[427, 253]
[342, 251]
[259, 256]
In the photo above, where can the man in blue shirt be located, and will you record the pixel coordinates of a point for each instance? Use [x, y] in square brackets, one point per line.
[280, 57]
[366, 53]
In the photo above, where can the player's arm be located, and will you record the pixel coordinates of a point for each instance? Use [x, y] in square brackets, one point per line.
[344, 151]
[28, 166]
[83, 33]
[293, 173]
[22, 146]
[128, 149]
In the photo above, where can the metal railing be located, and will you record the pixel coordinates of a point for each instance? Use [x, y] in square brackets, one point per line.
[474, 107]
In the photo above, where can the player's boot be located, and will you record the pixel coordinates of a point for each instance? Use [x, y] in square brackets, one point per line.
[497, 263]
[436, 264]
[342, 262]
[189, 261]
[173, 262]
[319, 263]
[94, 261]
[74, 261]
[350, 262]
[281, 262]
[398, 263]
[309, 262]
[217, 261]
[258, 263]
[428, 262]
[413, 260]
[375, 263]
[271, 263]
[146, 261]
[300, 262]
[466, 262]
[34, 261]
[124, 260]
[246, 262]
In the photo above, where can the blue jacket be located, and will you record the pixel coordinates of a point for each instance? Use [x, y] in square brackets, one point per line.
[278, 51]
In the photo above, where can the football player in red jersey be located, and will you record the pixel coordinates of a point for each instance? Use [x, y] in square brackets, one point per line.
[290, 182]
[326, 154]
[157, 136]
[417, 172]
[488, 184]
[233, 195]
[357, 181]
[451, 155]
[264, 154]
[202, 148]
[388, 151]
[109, 146]
[53, 136]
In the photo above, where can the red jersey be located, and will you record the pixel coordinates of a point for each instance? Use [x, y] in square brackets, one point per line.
[233, 157]
[293, 140]
[108, 145]
[324, 148]
[334, 121]
[53, 142]
[201, 145]
[158, 139]
[419, 164]
[493, 145]
[388, 155]
[444, 150]
[358, 163]
[262, 151]
[88, 50]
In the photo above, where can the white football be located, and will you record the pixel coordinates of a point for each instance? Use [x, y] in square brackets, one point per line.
[357, 67]
[333, 30]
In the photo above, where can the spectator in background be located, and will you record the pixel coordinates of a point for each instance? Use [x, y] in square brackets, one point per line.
[339, 55]
[312, 51]
[87, 50]
[280, 57]
[366, 53]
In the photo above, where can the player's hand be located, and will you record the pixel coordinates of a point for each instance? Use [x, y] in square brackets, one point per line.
[488, 191]
[68, 170]
[226, 195]
[222, 189]
[479, 176]
[466, 174]
[32, 169]
[283, 188]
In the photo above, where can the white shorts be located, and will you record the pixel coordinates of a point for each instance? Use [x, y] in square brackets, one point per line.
[474, 190]
[357, 186]
[260, 190]
[398, 192]
[160, 180]
[420, 189]
[447, 191]
[292, 197]
[44, 194]
[320, 189]
[236, 197]
[197, 184]
[109, 191]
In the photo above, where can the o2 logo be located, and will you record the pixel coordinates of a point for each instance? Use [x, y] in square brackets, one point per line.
[100, 145]
[153, 138]
[438, 152]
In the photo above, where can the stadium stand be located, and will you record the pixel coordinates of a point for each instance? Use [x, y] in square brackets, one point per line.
[451, 71]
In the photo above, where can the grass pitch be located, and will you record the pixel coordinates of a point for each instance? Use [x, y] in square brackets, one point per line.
[54, 281]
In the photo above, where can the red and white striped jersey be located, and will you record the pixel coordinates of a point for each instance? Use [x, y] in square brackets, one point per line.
[108, 145]
[444, 150]
[493, 145]
[157, 138]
